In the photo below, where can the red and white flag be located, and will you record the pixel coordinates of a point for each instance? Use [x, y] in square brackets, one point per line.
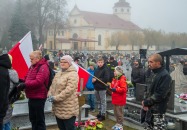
[20, 55]
[83, 74]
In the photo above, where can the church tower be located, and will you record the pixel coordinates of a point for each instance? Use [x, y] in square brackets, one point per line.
[122, 9]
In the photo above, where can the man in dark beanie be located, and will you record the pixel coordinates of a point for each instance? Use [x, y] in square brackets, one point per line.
[5, 64]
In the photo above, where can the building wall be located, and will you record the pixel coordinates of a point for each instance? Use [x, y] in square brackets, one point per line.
[63, 46]
[50, 40]
[84, 30]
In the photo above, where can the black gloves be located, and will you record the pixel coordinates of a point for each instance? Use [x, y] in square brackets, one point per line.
[21, 86]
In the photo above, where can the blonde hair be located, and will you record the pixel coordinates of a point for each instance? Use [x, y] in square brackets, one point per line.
[37, 54]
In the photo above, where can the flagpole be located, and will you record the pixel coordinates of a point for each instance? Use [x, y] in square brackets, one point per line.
[91, 75]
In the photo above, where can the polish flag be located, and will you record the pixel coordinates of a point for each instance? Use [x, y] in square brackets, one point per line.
[83, 75]
[20, 55]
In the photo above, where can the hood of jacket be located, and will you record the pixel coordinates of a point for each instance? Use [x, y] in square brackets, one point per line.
[5, 61]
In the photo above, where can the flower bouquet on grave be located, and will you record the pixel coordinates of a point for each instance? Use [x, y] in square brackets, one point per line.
[80, 126]
[93, 125]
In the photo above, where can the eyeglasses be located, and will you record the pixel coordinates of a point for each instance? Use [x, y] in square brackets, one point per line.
[63, 62]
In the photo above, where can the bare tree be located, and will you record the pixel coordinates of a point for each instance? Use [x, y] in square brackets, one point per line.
[135, 38]
[43, 8]
[118, 38]
[6, 9]
[58, 17]
[42, 13]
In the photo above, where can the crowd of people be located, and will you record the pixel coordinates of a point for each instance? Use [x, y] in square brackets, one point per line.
[107, 74]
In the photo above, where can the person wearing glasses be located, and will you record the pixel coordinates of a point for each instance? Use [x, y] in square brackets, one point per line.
[35, 89]
[63, 95]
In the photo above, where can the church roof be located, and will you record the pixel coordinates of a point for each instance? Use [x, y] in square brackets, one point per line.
[111, 21]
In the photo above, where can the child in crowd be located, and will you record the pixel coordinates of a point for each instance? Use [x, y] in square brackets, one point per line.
[90, 87]
[119, 90]
[100, 89]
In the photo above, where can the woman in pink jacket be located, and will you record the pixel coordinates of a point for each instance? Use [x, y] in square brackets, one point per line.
[35, 89]
[119, 90]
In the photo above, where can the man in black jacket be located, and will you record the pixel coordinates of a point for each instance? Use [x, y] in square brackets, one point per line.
[103, 75]
[158, 92]
[137, 74]
[5, 64]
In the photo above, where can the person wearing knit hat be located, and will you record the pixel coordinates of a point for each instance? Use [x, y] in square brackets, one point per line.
[119, 90]
[92, 64]
[118, 70]
[63, 94]
[90, 87]
[67, 58]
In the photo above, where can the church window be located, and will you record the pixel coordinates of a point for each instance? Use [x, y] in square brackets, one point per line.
[75, 36]
[122, 10]
[127, 10]
[99, 39]
[116, 10]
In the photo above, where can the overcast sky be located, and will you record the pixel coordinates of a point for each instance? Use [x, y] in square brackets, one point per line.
[167, 15]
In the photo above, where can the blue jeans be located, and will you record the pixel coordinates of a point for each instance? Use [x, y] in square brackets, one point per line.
[7, 126]
[91, 101]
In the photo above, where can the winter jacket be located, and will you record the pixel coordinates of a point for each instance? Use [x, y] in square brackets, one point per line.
[5, 64]
[102, 74]
[137, 75]
[111, 66]
[159, 91]
[64, 88]
[13, 79]
[89, 84]
[119, 96]
[36, 80]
